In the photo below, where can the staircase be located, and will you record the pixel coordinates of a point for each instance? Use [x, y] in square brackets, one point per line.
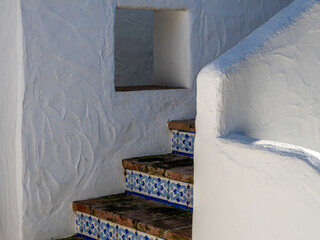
[158, 199]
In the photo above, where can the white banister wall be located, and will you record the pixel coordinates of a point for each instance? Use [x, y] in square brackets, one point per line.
[266, 87]
[273, 91]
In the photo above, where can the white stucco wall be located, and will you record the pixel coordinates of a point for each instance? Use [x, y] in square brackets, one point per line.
[264, 87]
[133, 47]
[275, 93]
[10, 120]
[171, 44]
[256, 190]
[76, 128]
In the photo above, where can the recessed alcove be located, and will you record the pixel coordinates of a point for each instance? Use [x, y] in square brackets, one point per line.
[152, 49]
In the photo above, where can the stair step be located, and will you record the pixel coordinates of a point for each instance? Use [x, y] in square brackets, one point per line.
[72, 238]
[164, 178]
[172, 166]
[183, 134]
[124, 214]
[183, 125]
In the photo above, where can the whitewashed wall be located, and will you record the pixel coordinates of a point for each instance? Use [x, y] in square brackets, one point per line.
[10, 120]
[256, 190]
[76, 128]
[274, 93]
[265, 87]
[171, 41]
[133, 47]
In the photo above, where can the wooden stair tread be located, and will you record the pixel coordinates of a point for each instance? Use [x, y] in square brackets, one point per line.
[141, 214]
[172, 166]
[183, 125]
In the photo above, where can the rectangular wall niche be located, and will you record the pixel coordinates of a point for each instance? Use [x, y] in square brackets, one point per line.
[152, 49]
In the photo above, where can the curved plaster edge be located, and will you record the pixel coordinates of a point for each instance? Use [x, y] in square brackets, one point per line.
[209, 101]
[312, 158]
[212, 77]
[254, 45]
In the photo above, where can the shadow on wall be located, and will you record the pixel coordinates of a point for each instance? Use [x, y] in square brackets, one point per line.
[312, 158]
[273, 92]
[152, 47]
[133, 47]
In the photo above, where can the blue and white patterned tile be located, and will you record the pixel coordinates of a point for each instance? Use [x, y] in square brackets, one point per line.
[108, 230]
[125, 233]
[158, 188]
[144, 236]
[186, 142]
[91, 226]
[183, 142]
[174, 140]
[140, 183]
[78, 223]
[190, 197]
[95, 228]
[178, 193]
[128, 180]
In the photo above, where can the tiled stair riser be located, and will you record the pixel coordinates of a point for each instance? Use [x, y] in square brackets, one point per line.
[165, 190]
[92, 228]
[182, 142]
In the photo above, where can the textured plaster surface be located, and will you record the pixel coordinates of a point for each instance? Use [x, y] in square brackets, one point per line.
[171, 41]
[133, 47]
[76, 129]
[273, 91]
[10, 120]
[260, 190]
[265, 87]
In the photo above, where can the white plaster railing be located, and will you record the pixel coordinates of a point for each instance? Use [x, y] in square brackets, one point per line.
[266, 87]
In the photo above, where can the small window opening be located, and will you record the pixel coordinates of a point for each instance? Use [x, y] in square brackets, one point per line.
[151, 49]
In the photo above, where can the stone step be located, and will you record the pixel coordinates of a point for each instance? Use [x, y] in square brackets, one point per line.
[172, 166]
[183, 125]
[124, 216]
[164, 178]
[182, 137]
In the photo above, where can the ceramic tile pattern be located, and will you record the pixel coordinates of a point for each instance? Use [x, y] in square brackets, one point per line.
[158, 188]
[108, 230]
[140, 182]
[128, 180]
[90, 227]
[190, 194]
[176, 193]
[183, 142]
[87, 226]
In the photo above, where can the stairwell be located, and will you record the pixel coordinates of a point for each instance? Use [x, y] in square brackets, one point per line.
[158, 198]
